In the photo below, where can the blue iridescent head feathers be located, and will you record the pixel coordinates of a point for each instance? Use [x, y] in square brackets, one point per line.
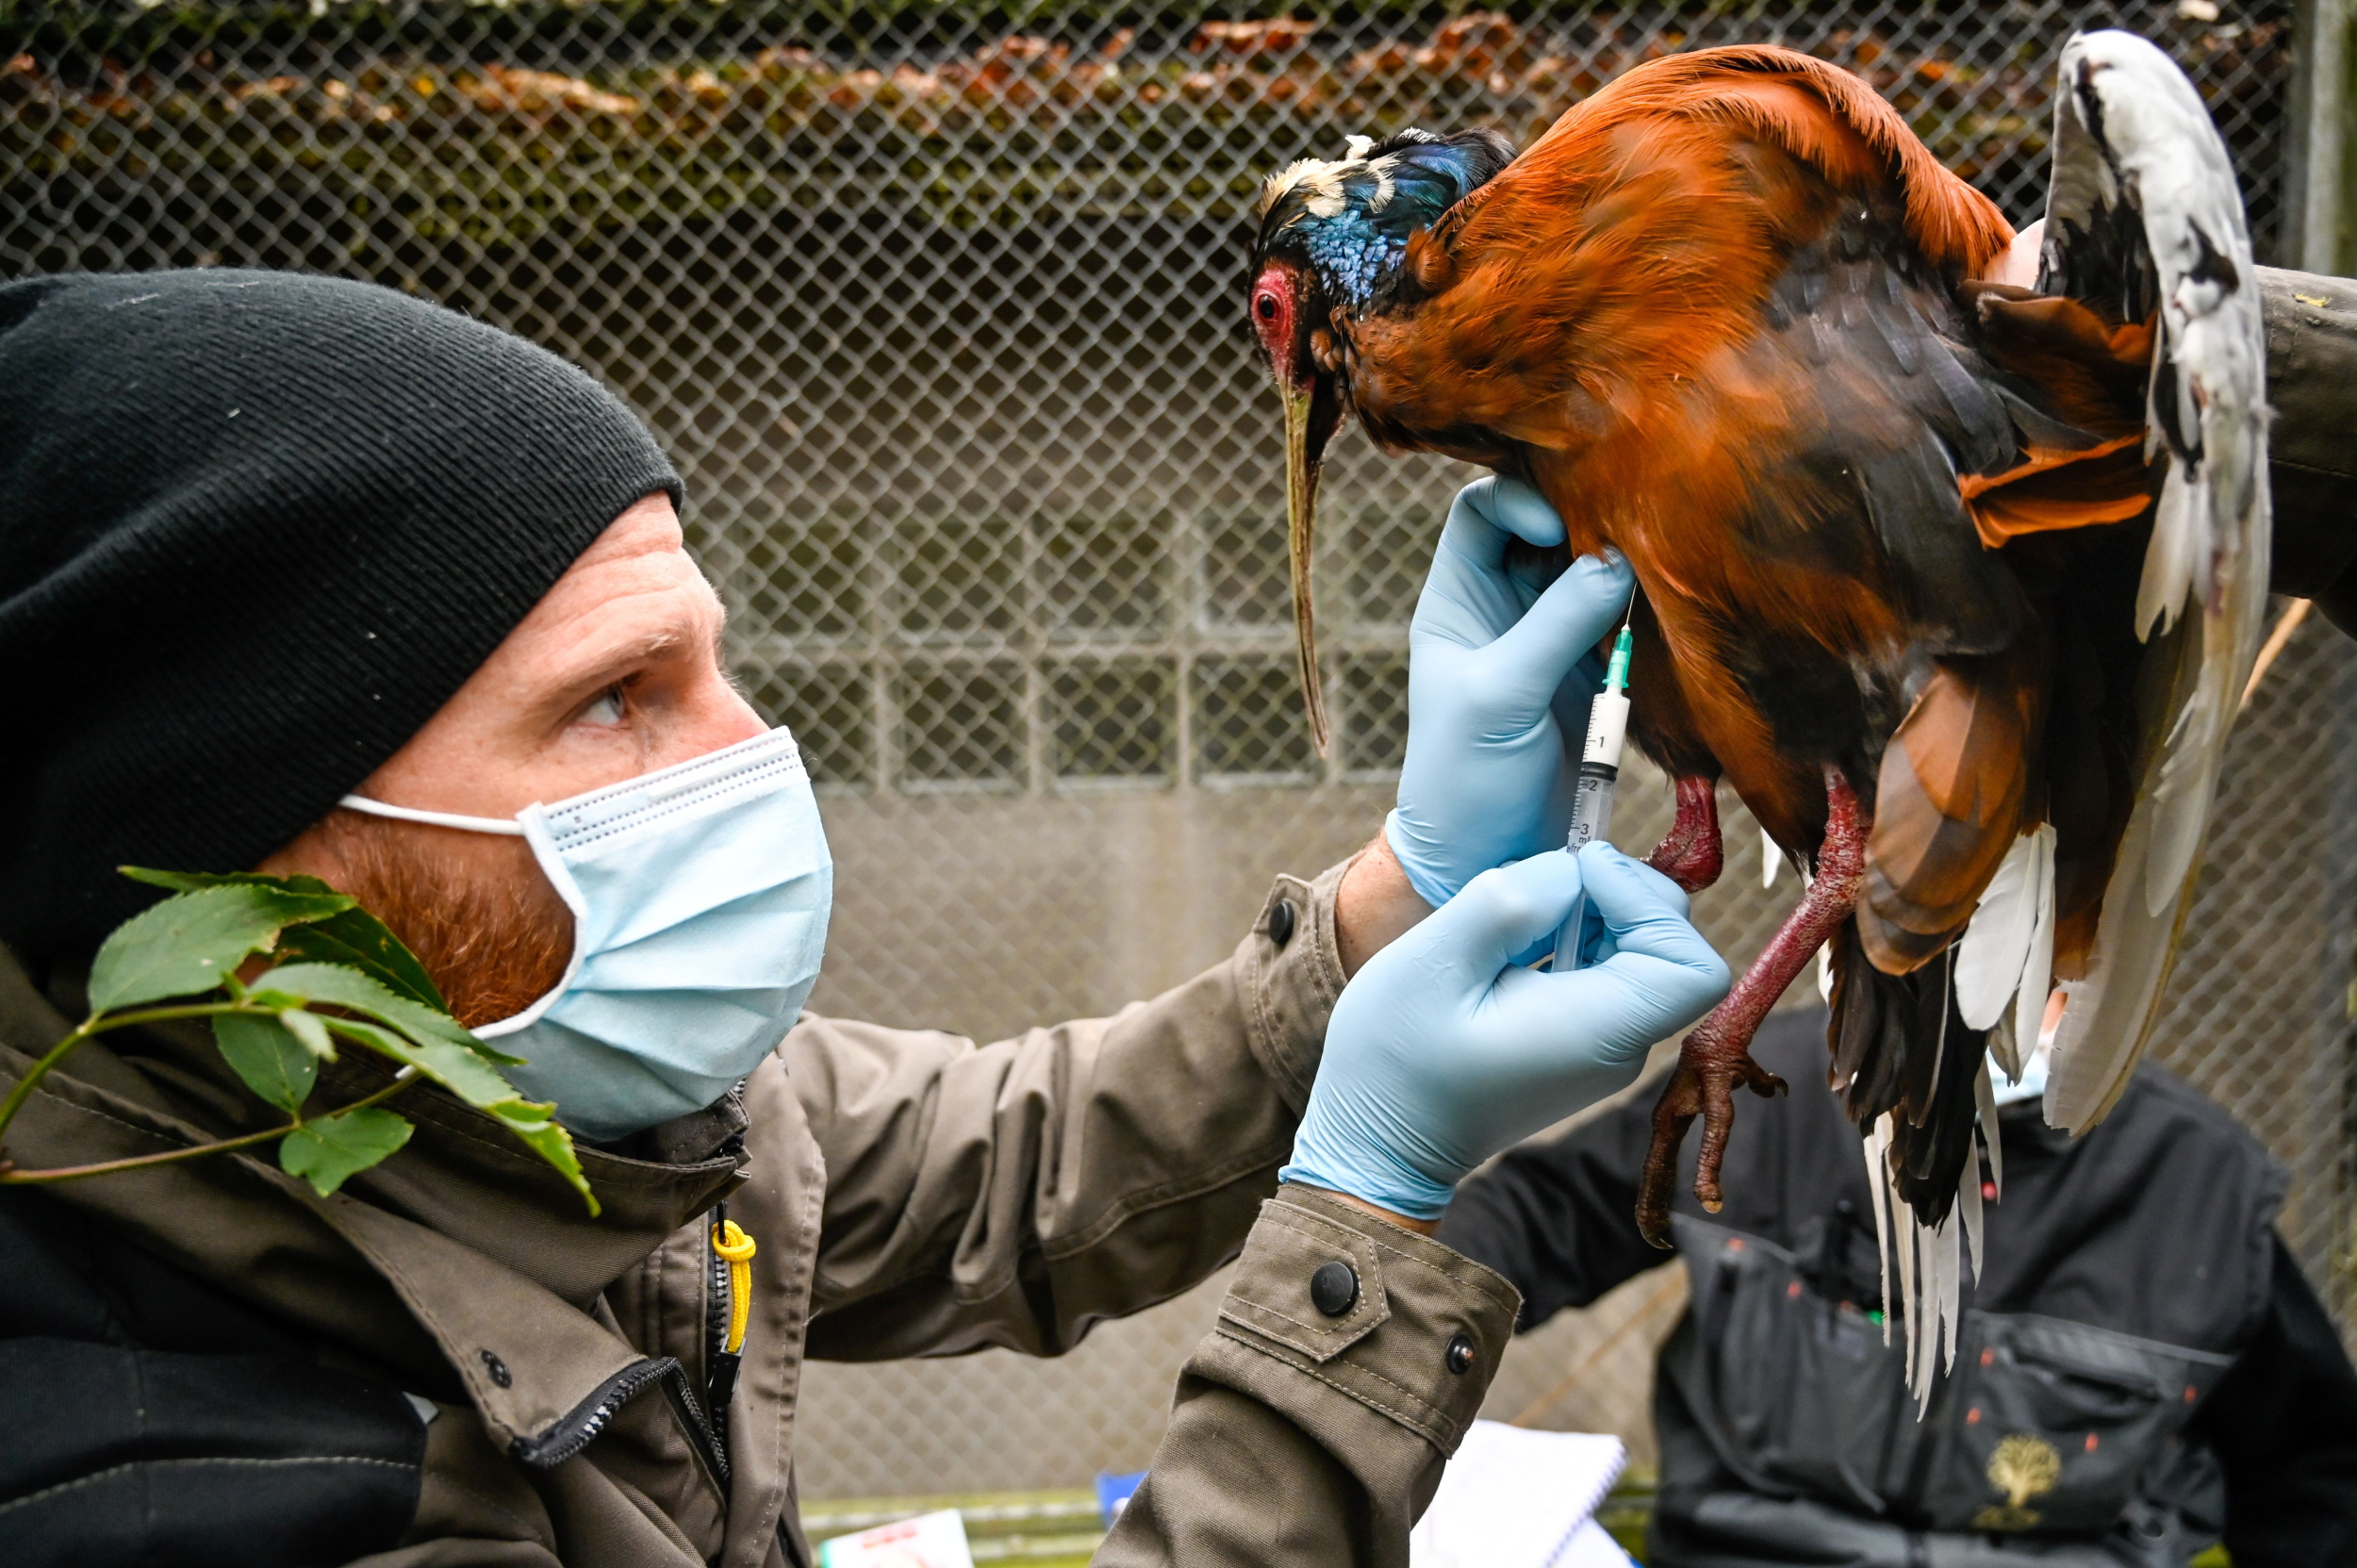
[1333, 237]
[1347, 221]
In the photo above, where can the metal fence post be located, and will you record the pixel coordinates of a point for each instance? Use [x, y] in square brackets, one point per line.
[2321, 203]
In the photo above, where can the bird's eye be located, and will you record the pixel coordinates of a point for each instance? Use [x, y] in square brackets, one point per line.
[1267, 305]
[604, 710]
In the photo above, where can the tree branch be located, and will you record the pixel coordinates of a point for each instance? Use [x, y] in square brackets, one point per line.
[95, 1026]
[11, 1177]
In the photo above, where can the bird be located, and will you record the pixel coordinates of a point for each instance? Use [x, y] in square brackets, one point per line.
[1954, 582]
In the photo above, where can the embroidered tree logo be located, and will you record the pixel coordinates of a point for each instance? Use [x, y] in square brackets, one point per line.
[2022, 1466]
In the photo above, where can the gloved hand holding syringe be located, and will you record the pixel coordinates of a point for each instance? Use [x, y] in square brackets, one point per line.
[1599, 772]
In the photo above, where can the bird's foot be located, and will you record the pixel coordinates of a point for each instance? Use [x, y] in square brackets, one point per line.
[1717, 1056]
[1692, 853]
[1712, 1062]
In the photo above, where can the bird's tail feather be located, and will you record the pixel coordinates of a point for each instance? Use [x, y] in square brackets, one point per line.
[1901, 1051]
[1930, 1256]
[1930, 1117]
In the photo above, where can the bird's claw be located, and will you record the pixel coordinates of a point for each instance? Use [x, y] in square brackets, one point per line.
[1703, 1086]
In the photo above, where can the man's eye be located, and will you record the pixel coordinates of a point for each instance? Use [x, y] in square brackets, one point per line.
[606, 709]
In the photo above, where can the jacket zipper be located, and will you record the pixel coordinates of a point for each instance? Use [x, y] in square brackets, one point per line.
[720, 1362]
[575, 1430]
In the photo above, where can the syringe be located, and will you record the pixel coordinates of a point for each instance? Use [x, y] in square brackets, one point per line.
[1599, 770]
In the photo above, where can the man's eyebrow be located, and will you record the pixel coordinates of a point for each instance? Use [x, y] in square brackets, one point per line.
[610, 664]
[721, 662]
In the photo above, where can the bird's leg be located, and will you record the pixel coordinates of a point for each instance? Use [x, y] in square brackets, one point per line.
[1691, 854]
[1717, 1056]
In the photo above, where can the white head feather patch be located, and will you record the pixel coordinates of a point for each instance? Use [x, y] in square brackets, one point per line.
[1321, 180]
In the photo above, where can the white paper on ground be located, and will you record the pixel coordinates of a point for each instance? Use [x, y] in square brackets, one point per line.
[927, 1541]
[1520, 1499]
[1591, 1546]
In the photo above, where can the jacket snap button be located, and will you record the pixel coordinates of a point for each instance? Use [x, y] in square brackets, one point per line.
[1334, 1288]
[1461, 1350]
[1280, 922]
[497, 1369]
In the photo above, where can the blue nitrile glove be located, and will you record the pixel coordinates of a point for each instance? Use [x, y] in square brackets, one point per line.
[1441, 1052]
[1493, 691]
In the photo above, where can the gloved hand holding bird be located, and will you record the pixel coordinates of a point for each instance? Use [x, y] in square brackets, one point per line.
[1956, 582]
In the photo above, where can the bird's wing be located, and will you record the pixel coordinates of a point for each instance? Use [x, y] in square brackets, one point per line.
[2155, 315]
[2144, 217]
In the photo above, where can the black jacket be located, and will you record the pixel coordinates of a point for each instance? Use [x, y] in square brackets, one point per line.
[2141, 1337]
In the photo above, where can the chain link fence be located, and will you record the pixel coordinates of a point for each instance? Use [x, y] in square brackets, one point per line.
[937, 306]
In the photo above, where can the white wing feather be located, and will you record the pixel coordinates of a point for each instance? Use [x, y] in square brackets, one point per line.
[1969, 1202]
[2131, 131]
[2005, 1048]
[1994, 950]
[2038, 971]
[1993, 1146]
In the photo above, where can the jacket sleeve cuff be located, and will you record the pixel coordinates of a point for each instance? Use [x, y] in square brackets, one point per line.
[1404, 1362]
[1291, 972]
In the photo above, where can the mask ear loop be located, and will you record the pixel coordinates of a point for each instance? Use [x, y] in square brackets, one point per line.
[504, 825]
[531, 826]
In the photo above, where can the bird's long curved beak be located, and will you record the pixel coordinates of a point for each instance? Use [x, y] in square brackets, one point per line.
[1310, 415]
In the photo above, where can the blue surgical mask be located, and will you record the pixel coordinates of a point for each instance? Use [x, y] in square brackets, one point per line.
[699, 898]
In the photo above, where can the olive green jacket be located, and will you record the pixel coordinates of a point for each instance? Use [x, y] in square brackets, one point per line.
[910, 1194]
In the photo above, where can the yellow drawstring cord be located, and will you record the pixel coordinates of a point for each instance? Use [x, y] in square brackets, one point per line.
[733, 1247]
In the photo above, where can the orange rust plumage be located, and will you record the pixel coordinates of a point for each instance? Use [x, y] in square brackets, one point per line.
[1722, 315]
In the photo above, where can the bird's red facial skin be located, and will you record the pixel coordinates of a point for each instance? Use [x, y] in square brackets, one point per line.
[1275, 303]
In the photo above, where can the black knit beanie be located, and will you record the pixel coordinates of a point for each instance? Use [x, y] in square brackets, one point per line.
[255, 529]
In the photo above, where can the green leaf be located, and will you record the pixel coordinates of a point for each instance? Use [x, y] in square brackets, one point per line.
[188, 882]
[355, 937]
[476, 1083]
[189, 944]
[434, 1044]
[359, 940]
[338, 985]
[311, 1029]
[455, 1067]
[333, 1149]
[555, 1145]
[275, 1064]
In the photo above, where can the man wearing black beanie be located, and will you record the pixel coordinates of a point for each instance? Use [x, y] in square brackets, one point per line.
[270, 537]
[305, 576]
